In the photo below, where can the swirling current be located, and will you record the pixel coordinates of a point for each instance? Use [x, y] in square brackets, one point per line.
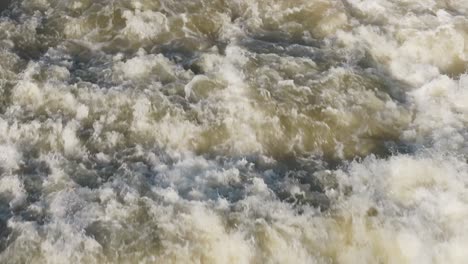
[233, 131]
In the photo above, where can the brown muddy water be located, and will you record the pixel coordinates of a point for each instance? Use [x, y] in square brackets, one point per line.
[233, 131]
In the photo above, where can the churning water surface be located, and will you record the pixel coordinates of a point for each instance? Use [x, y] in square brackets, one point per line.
[233, 131]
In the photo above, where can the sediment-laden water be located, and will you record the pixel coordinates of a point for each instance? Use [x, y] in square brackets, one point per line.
[233, 131]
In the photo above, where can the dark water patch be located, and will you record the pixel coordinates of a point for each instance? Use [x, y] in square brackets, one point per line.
[182, 52]
[89, 65]
[5, 95]
[32, 173]
[4, 5]
[323, 57]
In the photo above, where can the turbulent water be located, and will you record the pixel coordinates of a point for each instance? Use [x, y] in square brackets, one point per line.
[233, 131]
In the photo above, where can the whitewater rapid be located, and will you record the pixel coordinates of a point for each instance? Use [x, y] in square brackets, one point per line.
[234, 131]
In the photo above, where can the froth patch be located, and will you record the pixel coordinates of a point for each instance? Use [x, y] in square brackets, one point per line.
[144, 24]
[409, 196]
[10, 157]
[13, 189]
[145, 67]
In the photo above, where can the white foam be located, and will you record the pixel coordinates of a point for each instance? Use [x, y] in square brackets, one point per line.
[144, 24]
[9, 157]
[12, 187]
[163, 165]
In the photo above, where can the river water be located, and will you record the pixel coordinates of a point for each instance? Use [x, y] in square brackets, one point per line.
[233, 131]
